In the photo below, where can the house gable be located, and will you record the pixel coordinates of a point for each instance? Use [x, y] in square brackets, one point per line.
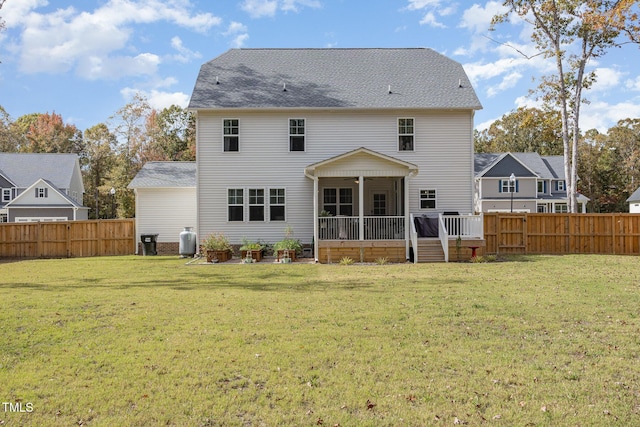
[42, 193]
[507, 165]
[361, 162]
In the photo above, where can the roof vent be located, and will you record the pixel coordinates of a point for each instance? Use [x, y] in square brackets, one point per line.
[459, 82]
[390, 89]
[284, 87]
[217, 80]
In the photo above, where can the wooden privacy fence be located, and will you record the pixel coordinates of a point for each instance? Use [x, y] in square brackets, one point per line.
[534, 233]
[67, 239]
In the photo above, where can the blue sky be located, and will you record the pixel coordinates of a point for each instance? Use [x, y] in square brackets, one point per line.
[85, 59]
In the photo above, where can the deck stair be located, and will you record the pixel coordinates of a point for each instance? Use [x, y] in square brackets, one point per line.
[430, 250]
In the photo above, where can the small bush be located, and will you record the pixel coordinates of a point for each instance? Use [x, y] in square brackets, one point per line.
[346, 261]
[382, 261]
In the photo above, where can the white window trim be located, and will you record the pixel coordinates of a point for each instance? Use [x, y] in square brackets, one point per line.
[6, 192]
[223, 135]
[398, 135]
[337, 203]
[264, 204]
[562, 186]
[435, 198]
[304, 135]
[244, 202]
[268, 204]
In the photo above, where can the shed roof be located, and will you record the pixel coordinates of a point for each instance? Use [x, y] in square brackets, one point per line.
[165, 175]
[333, 78]
[635, 196]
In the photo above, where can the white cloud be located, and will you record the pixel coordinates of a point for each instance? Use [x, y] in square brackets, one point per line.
[603, 115]
[509, 81]
[261, 8]
[421, 4]
[238, 31]
[478, 18]
[607, 79]
[66, 39]
[184, 54]
[158, 100]
[430, 19]
[633, 84]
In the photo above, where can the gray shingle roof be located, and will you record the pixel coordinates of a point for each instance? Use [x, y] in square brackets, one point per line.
[23, 169]
[546, 167]
[165, 175]
[333, 78]
[635, 197]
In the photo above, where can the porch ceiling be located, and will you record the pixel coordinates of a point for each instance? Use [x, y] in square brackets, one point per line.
[361, 162]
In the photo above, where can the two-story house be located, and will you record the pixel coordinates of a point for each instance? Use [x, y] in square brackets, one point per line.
[521, 182]
[341, 145]
[41, 187]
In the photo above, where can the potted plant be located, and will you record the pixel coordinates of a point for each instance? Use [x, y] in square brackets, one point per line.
[251, 249]
[288, 247]
[217, 246]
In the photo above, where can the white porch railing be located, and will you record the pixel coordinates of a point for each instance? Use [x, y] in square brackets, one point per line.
[465, 226]
[375, 228]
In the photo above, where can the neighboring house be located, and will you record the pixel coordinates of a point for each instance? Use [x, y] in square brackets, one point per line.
[41, 187]
[340, 145]
[539, 184]
[165, 202]
[634, 202]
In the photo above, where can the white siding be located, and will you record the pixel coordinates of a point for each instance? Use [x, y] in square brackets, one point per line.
[443, 153]
[634, 207]
[165, 211]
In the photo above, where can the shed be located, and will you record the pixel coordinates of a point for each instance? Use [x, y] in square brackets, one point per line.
[165, 202]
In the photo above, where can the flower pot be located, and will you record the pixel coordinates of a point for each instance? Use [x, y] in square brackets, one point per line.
[291, 254]
[255, 254]
[221, 256]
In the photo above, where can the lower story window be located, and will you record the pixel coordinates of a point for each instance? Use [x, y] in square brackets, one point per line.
[236, 204]
[256, 204]
[561, 208]
[338, 201]
[276, 204]
[427, 199]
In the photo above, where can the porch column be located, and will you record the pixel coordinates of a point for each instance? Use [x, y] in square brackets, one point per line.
[407, 218]
[316, 215]
[361, 207]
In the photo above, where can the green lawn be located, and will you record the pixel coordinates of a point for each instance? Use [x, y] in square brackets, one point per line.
[140, 341]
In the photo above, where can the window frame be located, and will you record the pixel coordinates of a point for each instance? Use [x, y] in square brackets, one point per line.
[230, 135]
[236, 204]
[561, 185]
[6, 195]
[281, 202]
[432, 196]
[544, 186]
[338, 201]
[256, 200]
[507, 183]
[42, 192]
[405, 134]
[303, 135]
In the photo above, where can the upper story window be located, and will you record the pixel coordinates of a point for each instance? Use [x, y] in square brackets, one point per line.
[6, 194]
[296, 134]
[405, 134]
[42, 193]
[427, 199]
[276, 204]
[506, 186]
[542, 187]
[231, 134]
[560, 186]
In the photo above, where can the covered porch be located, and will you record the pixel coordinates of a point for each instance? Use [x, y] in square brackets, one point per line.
[361, 210]
[361, 207]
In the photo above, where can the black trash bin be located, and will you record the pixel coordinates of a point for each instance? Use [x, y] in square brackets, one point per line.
[149, 244]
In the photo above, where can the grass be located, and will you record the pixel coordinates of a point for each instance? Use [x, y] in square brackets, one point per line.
[144, 341]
